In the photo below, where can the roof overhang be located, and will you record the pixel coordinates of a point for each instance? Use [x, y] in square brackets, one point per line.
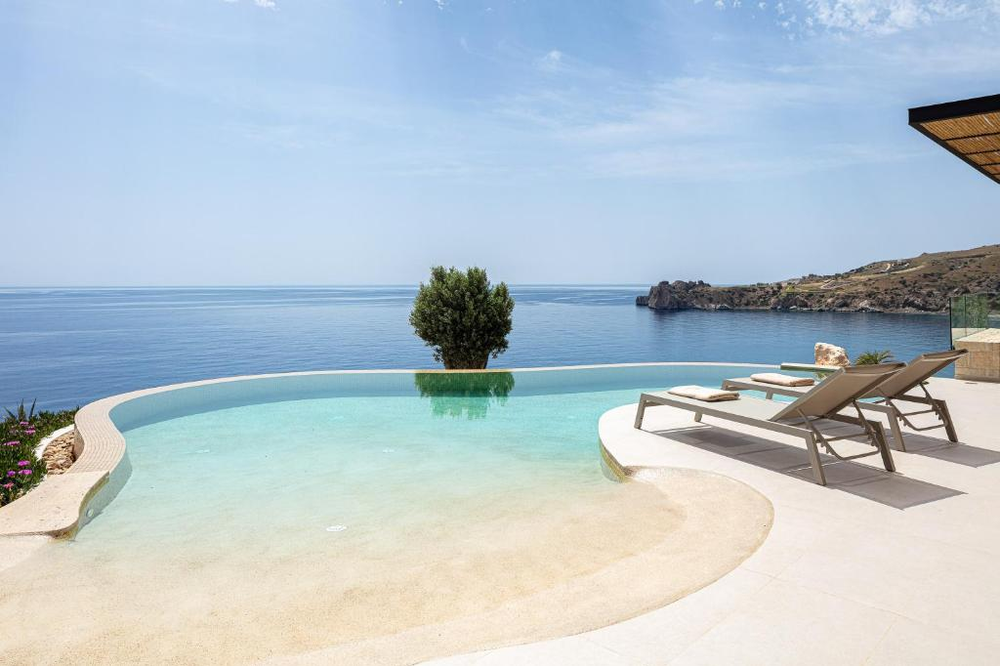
[969, 129]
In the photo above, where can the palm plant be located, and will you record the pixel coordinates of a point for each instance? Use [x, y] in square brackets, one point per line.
[873, 357]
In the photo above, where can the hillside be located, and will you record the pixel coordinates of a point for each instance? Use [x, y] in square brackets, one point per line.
[916, 285]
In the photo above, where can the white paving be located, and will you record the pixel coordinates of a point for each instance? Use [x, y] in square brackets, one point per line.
[875, 568]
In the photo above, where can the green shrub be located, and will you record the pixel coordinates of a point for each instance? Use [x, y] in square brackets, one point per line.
[873, 357]
[20, 433]
[463, 318]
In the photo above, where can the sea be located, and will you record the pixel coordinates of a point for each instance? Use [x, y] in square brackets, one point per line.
[64, 347]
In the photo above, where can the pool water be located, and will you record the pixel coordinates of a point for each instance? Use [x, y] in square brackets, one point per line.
[367, 504]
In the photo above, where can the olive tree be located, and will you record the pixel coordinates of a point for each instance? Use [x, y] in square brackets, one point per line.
[462, 317]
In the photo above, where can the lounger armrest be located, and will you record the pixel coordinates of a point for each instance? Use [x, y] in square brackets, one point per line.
[810, 367]
[718, 410]
[747, 384]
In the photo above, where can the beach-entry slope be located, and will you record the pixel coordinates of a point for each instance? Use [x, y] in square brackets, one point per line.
[382, 518]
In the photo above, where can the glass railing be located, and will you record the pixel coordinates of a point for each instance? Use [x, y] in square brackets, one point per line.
[973, 314]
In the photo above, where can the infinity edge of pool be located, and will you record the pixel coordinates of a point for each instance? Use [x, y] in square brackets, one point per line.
[62, 505]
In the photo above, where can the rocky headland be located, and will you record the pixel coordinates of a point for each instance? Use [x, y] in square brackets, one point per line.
[917, 285]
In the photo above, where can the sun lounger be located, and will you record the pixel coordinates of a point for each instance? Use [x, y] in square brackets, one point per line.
[840, 390]
[885, 396]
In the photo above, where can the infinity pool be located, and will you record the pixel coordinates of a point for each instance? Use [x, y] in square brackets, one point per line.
[287, 515]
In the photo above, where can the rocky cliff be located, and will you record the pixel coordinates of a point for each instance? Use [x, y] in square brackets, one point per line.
[919, 284]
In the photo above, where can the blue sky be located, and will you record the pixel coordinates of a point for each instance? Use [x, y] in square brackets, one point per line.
[254, 142]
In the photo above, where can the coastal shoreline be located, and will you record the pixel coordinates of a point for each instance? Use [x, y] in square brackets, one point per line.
[919, 285]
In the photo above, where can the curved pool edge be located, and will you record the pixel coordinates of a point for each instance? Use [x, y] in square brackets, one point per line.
[63, 504]
[533, 648]
[683, 621]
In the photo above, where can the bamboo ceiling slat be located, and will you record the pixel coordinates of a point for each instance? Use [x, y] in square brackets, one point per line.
[985, 158]
[988, 142]
[986, 123]
[968, 128]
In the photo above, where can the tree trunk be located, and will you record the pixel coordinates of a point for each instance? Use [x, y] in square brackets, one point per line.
[451, 363]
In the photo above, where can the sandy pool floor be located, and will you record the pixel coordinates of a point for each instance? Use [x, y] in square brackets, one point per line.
[572, 568]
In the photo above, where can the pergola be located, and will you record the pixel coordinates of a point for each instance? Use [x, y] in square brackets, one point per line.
[969, 128]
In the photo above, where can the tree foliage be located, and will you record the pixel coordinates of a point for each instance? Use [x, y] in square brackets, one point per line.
[462, 317]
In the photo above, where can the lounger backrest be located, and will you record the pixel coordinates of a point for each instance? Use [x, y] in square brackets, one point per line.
[919, 369]
[838, 390]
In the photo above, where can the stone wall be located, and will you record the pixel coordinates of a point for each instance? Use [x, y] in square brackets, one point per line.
[982, 363]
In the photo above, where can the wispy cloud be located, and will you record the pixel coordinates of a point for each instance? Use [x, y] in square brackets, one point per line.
[883, 16]
[263, 4]
[551, 61]
[564, 116]
[743, 161]
[872, 17]
[693, 128]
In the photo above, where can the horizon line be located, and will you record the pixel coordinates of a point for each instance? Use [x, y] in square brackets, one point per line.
[345, 285]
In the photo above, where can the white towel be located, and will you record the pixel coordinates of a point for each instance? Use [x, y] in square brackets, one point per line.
[702, 393]
[779, 379]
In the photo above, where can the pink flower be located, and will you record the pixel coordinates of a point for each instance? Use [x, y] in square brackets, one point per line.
[26, 472]
[11, 473]
[8, 486]
[30, 431]
[13, 443]
[23, 463]
[24, 423]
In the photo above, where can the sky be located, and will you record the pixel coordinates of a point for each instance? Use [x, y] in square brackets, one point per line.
[272, 142]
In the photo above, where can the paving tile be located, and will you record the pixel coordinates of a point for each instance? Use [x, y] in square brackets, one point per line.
[909, 643]
[459, 660]
[917, 578]
[571, 651]
[789, 624]
[661, 635]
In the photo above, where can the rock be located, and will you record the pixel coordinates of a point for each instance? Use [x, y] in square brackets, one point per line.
[676, 295]
[827, 354]
[58, 455]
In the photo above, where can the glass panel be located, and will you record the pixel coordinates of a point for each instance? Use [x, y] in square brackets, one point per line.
[972, 314]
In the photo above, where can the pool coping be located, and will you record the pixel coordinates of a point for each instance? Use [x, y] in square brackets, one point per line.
[62, 504]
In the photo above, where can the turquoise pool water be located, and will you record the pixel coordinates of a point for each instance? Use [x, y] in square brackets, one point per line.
[368, 503]
[365, 454]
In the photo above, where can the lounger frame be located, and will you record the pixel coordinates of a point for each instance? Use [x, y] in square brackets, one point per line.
[938, 407]
[808, 431]
[885, 402]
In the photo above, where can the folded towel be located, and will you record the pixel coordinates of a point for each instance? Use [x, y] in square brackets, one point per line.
[779, 379]
[706, 394]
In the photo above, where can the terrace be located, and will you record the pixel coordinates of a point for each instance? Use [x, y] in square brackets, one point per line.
[875, 568]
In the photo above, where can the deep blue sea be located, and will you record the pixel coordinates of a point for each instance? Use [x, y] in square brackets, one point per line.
[67, 347]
